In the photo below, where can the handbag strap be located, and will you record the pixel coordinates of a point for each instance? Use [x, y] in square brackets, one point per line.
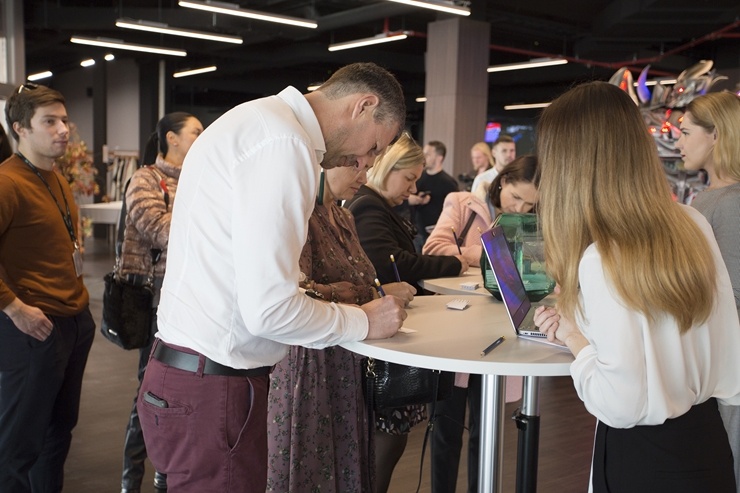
[464, 232]
[369, 395]
[370, 403]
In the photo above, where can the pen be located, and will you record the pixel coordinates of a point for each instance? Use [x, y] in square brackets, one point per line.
[493, 346]
[395, 268]
[454, 235]
[380, 290]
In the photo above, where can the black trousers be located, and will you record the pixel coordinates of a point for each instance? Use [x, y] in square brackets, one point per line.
[447, 437]
[40, 386]
[688, 454]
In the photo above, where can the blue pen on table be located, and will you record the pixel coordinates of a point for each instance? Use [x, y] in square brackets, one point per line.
[380, 289]
[454, 235]
[493, 346]
[395, 268]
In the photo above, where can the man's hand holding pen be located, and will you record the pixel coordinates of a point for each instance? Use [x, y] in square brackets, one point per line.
[385, 316]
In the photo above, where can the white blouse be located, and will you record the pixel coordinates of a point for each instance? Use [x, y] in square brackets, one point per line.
[636, 373]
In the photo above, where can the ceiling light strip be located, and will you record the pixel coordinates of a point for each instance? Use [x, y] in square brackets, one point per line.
[233, 9]
[121, 45]
[158, 27]
[526, 106]
[447, 7]
[381, 38]
[537, 62]
[39, 76]
[195, 71]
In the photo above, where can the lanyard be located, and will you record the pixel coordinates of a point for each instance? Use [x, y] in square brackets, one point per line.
[67, 218]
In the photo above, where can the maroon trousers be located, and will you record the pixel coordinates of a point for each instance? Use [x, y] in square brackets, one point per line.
[208, 433]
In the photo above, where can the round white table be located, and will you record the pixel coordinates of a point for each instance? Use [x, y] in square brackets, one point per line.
[452, 340]
[103, 212]
[452, 285]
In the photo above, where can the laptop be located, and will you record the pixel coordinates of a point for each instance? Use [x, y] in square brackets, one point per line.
[511, 287]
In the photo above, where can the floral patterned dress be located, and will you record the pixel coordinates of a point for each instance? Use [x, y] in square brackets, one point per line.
[317, 421]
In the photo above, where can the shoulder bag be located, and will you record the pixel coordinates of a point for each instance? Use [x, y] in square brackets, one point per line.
[127, 303]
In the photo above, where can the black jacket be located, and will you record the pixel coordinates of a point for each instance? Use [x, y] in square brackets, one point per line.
[382, 232]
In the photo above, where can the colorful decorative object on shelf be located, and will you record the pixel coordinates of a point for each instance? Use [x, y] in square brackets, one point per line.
[662, 109]
[77, 167]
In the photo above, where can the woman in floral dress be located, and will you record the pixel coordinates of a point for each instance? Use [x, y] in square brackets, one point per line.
[318, 438]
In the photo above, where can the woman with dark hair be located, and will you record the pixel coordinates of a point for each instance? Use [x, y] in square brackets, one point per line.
[514, 190]
[149, 199]
[645, 303]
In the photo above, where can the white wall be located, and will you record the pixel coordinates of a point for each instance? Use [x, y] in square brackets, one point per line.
[122, 103]
[74, 86]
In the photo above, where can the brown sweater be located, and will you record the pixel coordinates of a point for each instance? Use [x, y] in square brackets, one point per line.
[35, 247]
[148, 218]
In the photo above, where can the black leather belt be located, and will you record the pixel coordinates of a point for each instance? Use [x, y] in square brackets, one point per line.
[189, 362]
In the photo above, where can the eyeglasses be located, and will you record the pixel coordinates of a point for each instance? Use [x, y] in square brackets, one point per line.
[28, 86]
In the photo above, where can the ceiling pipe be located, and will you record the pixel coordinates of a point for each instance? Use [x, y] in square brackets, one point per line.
[637, 64]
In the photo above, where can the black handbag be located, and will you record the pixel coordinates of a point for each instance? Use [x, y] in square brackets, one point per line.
[389, 385]
[128, 310]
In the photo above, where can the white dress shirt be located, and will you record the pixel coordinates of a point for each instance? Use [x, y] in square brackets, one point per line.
[483, 181]
[637, 373]
[246, 191]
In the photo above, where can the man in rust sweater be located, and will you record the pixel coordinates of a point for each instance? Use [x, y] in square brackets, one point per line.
[46, 328]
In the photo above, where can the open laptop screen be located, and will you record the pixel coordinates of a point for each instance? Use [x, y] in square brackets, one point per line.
[509, 280]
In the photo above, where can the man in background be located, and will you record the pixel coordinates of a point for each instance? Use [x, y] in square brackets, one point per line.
[432, 188]
[230, 303]
[504, 152]
[46, 329]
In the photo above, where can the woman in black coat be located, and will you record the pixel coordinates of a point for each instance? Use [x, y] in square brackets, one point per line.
[384, 233]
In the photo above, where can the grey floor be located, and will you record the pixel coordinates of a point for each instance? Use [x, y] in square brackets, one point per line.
[94, 463]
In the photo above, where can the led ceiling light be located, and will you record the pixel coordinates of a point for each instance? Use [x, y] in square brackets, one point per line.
[526, 106]
[442, 6]
[39, 76]
[234, 9]
[421, 99]
[194, 71]
[110, 57]
[158, 27]
[121, 45]
[380, 38]
[87, 63]
[534, 63]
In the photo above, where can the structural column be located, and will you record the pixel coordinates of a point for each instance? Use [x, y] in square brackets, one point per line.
[456, 88]
[12, 46]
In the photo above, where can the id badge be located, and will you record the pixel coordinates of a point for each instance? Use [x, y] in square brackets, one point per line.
[77, 259]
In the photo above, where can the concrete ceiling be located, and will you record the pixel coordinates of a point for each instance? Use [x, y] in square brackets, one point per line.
[598, 36]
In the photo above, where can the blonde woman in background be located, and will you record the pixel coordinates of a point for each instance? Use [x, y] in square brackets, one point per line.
[710, 140]
[645, 304]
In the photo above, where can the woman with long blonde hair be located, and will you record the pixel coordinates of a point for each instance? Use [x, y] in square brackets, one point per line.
[645, 303]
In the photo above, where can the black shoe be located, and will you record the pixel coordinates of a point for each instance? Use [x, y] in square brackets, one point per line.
[160, 481]
[130, 490]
